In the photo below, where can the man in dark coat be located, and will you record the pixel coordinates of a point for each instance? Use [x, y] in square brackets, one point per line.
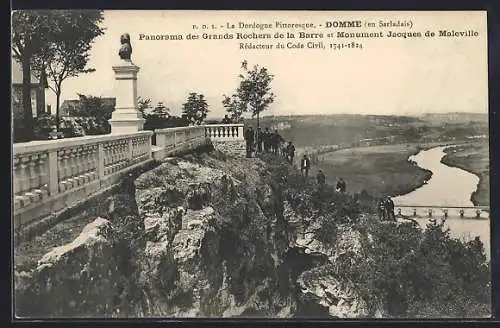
[226, 120]
[249, 139]
[381, 209]
[389, 207]
[266, 139]
[305, 166]
[320, 178]
[259, 136]
[290, 149]
[341, 186]
[277, 140]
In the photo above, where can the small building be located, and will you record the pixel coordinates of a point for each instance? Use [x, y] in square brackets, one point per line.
[37, 93]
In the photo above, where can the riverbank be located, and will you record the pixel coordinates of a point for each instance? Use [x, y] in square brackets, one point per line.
[473, 158]
[378, 170]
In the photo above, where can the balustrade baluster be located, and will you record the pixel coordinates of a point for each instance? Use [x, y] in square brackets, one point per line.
[74, 167]
[77, 166]
[95, 162]
[16, 185]
[17, 182]
[85, 164]
[24, 170]
[69, 170]
[32, 178]
[61, 168]
[113, 156]
[43, 181]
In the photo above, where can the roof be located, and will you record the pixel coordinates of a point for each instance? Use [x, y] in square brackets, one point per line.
[17, 73]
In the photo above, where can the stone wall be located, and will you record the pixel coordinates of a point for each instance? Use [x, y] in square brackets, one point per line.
[231, 148]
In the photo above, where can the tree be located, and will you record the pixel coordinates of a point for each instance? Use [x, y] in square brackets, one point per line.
[67, 48]
[160, 111]
[195, 109]
[144, 104]
[30, 30]
[253, 94]
[98, 110]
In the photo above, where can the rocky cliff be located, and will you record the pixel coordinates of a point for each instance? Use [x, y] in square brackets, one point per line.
[212, 235]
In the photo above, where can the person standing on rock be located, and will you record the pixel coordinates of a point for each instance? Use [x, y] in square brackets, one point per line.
[266, 138]
[320, 178]
[279, 142]
[259, 136]
[381, 209]
[341, 186]
[389, 206]
[305, 166]
[290, 149]
[249, 138]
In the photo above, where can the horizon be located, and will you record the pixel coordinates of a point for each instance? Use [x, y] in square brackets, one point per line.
[396, 77]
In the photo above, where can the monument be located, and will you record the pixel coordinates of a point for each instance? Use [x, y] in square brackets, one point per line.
[126, 118]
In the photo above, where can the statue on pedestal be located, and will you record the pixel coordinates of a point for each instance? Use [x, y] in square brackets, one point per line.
[126, 48]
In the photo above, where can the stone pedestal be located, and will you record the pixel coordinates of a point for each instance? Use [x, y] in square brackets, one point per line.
[126, 118]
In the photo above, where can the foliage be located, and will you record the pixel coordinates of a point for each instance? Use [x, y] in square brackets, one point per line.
[43, 125]
[413, 272]
[158, 117]
[252, 95]
[56, 43]
[144, 105]
[195, 109]
[67, 48]
[30, 30]
[160, 111]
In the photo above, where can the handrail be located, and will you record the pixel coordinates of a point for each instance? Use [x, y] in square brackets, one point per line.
[444, 206]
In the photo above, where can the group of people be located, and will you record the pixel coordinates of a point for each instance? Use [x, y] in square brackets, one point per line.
[386, 209]
[258, 141]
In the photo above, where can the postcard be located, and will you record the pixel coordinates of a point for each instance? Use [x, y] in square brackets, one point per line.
[250, 164]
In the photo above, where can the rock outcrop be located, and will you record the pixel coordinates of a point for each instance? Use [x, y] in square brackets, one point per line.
[205, 235]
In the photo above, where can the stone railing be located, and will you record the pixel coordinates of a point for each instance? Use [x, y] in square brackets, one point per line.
[172, 141]
[49, 176]
[477, 212]
[224, 132]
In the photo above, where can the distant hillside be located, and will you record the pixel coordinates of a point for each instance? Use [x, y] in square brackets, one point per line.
[455, 117]
[316, 130]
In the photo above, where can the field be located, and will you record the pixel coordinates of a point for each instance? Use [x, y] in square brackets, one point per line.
[473, 158]
[379, 170]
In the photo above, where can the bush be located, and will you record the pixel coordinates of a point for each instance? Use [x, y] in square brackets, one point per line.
[414, 272]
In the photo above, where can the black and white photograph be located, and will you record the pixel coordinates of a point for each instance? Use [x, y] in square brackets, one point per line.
[250, 164]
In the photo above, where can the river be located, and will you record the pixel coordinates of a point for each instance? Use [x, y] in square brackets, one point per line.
[448, 186]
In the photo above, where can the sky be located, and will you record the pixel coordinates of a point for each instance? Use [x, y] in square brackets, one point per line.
[388, 76]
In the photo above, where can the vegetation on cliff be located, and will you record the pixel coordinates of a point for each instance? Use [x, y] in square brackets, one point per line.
[412, 272]
[213, 235]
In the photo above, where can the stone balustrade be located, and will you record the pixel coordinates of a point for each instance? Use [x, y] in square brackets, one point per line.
[224, 132]
[51, 175]
[445, 211]
[172, 141]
